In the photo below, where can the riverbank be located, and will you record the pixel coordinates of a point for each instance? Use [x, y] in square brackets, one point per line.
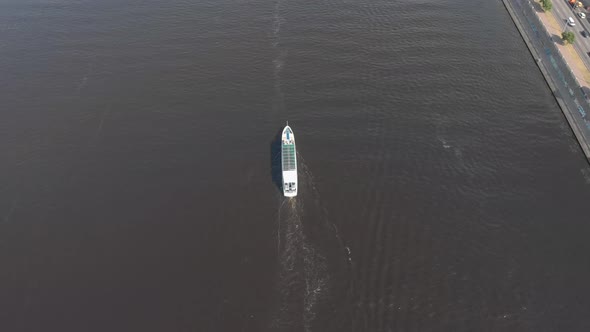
[569, 53]
[568, 89]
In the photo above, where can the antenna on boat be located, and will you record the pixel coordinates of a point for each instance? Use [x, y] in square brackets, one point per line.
[287, 123]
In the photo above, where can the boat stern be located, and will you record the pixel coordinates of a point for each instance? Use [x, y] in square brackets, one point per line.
[290, 183]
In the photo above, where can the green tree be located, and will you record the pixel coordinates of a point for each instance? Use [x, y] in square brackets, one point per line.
[568, 37]
[547, 5]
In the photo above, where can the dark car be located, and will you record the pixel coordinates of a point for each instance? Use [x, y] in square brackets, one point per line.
[588, 53]
[584, 33]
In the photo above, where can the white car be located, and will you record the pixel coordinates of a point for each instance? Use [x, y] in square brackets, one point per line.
[571, 22]
[582, 15]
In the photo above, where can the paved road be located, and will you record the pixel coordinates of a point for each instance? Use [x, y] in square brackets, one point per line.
[556, 72]
[562, 10]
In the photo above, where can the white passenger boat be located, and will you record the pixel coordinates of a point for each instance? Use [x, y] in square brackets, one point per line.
[289, 162]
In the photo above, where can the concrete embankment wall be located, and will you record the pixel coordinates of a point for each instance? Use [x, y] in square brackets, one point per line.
[572, 100]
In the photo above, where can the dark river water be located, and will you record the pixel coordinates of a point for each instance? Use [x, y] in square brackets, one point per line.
[440, 186]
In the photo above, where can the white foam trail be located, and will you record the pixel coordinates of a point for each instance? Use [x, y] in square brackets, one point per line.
[278, 20]
[82, 83]
[316, 282]
[278, 64]
[303, 277]
[11, 210]
[279, 60]
[444, 143]
[349, 254]
[84, 80]
[586, 174]
[306, 173]
[100, 124]
[279, 229]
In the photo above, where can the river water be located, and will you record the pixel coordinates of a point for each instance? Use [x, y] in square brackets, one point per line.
[441, 188]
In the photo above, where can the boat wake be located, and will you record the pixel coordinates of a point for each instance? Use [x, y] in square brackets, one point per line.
[310, 252]
[327, 224]
[280, 54]
[302, 277]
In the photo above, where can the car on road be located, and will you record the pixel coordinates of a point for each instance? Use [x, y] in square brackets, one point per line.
[571, 22]
[584, 33]
[588, 53]
[582, 15]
